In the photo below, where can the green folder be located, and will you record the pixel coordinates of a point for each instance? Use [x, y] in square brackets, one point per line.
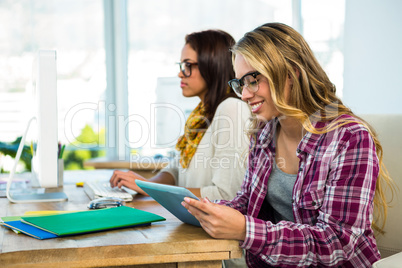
[92, 221]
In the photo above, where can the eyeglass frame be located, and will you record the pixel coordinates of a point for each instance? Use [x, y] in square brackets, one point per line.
[188, 64]
[241, 83]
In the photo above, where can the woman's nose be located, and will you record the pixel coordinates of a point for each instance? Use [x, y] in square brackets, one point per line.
[246, 94]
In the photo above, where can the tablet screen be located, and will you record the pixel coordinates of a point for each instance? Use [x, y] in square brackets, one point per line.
[170, 197]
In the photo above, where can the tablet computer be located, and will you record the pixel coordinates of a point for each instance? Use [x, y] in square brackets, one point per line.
[170, 197]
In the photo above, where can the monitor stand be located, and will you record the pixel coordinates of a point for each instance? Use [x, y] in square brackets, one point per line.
[35, 194]
[30, 194]
[38, 197]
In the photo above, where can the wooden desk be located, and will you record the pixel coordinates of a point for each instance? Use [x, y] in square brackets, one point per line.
[170, 243]
[144, 166]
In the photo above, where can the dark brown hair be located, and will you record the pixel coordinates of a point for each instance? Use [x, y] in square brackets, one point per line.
[215, 65]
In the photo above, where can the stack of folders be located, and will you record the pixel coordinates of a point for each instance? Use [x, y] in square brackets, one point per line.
[74, 223]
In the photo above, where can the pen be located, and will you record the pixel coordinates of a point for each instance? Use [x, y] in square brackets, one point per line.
[61, 151]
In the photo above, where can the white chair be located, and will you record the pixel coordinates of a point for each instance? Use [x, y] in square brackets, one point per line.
[389, 130]
[393, 261]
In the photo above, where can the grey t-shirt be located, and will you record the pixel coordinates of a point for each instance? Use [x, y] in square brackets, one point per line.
[279, 196]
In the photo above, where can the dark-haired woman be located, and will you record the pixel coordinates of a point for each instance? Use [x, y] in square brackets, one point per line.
[214, 145]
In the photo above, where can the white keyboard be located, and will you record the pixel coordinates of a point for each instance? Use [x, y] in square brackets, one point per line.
[102, 189]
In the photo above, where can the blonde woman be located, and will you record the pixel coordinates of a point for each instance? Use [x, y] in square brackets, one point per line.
[315, 173]
[214, 144]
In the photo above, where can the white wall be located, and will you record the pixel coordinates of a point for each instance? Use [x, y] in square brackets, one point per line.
[373, 56]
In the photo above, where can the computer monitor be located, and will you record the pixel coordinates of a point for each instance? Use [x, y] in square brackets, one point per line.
[45, 149]
[45, 156]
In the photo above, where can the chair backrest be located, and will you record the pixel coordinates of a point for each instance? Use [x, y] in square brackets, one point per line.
[389, 130]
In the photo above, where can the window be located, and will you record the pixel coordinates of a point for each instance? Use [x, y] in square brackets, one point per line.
[323, 22]
[156, 30]
[78, 31]
[73, 28]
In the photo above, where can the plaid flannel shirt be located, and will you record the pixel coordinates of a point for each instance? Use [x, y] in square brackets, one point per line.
[332, 201]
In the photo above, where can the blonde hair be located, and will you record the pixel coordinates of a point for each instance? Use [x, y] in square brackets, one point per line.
[277, 51]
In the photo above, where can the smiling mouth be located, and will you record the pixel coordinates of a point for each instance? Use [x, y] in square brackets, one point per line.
[256, 106]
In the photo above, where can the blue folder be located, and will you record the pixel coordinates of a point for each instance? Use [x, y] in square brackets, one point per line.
[29, 230]
[170, 197]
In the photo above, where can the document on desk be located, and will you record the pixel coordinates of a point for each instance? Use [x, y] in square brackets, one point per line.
[89, 221]
[170, 197]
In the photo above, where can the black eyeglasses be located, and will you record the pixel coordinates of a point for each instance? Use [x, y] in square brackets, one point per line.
[248, 80]
[185, 67]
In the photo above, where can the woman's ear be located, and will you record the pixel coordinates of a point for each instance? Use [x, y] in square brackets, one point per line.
[290, 77]
[297, 72]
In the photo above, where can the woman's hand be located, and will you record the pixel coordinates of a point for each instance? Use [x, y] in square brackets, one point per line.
[217, 220]
[127, 179]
